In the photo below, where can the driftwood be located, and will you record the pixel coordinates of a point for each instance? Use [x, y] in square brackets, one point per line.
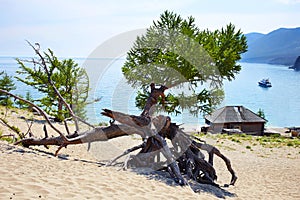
[183, 158]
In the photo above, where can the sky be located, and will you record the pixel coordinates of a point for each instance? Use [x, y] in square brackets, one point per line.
[75, 28]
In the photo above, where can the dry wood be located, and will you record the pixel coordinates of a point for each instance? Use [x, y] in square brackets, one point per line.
[184, 158]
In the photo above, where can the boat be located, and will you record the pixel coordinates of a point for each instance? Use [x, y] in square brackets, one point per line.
[265, 83]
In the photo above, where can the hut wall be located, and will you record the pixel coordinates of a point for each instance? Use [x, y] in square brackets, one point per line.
[253, 128]
[248, 128]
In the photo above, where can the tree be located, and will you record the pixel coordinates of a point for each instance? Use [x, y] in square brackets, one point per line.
[71, 81]
[261, 113]
[23, 105]
[6, 83]
[175, 53]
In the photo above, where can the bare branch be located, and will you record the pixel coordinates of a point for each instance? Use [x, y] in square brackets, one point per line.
[83, 121]
[39, 109]
[126, 152]
[45, 131]
[66, 126]
[59, 148]
[29, 129]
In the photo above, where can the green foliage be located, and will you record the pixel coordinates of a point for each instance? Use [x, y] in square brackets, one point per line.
[261, 113]
[103, 124]
[8, 139]
[23, 105]
[16, 129]
[175, 53]
[6, 83]
[71, 81]
[225, 46]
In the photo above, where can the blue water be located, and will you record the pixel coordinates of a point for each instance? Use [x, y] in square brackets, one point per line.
[281, 103]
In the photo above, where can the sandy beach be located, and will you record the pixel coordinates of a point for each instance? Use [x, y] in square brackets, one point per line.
[34, 173]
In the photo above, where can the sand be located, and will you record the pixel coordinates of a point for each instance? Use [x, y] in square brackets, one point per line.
[34, 173]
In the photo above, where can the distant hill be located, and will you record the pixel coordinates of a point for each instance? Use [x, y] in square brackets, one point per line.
[281, 46]
[252, 37]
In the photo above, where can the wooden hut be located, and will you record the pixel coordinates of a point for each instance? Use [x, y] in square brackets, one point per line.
[235, 119]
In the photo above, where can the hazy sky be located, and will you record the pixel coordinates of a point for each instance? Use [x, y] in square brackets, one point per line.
[74, 28]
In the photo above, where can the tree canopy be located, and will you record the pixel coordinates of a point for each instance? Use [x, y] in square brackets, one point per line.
[70, 80]
[175, 53]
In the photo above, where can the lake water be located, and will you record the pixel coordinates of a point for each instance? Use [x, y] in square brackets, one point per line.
[280, 103]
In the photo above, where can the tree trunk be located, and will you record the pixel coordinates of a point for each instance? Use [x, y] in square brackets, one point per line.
[94, 135]
[184, 157]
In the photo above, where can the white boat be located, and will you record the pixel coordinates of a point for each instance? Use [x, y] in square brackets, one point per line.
[265, 83]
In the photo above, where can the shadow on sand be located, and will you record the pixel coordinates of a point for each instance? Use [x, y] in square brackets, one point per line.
[164, 177]
[160, 176]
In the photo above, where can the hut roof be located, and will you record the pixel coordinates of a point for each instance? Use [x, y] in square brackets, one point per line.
[233, 114]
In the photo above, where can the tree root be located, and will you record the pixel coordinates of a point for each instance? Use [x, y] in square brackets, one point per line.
[184, 158]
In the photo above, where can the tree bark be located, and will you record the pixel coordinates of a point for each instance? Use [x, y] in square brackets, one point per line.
[184, 157]
[94, 135]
